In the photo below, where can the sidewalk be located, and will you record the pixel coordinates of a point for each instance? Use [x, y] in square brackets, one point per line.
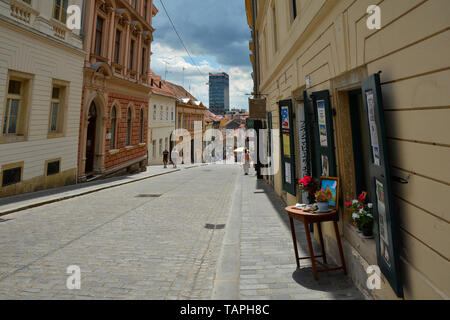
[30, 200]
[266, 267]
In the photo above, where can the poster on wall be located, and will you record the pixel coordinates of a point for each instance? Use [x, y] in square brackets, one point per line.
[382, 222]
[303, 145]
[322, 123]
[287, 172]
[325, 166]
[286, 145]
[373, 127]
[285, 124]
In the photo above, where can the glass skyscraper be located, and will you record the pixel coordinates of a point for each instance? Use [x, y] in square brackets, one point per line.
[219, 93]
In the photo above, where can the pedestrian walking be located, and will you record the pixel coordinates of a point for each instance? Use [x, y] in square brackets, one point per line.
[175, 157]
[165, 157]
[246, 161]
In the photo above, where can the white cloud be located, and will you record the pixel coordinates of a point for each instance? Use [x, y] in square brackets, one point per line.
[241, 82]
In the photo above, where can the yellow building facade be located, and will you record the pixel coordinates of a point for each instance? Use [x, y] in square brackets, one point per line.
[305, 52]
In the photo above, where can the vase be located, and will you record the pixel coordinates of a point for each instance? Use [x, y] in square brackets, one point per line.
[367, 229]
[323, 206]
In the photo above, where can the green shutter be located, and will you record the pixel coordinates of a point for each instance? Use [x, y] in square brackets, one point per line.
[287, 147]
[386, 234]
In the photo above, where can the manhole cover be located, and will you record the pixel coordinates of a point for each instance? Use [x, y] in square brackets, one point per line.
[215, 226]
[148, 195]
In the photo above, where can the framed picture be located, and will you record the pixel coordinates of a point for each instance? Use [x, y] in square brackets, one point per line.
[332, 184]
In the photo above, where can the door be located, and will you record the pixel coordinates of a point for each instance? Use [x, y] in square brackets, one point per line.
[287, 147]
[90, 142]
[380, 180]
[325, 160]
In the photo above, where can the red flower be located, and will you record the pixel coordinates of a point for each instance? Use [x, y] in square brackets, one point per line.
[349, 204]
[362, 196]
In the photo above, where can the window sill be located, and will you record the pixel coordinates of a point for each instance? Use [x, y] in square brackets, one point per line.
[55, 135]
[12, 139]
[129, 147]
[365, 247]
[142, 144]
[114, 152]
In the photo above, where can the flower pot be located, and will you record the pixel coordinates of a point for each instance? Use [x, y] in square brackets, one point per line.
[323, 206]
[367, 230]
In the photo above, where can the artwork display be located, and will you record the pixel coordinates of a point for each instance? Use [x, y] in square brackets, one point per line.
[285, 124]
[325, 166]
[333, 185]
[373, 127]
[287, 172]
[287, 145]
[322, 123]
[382, 222]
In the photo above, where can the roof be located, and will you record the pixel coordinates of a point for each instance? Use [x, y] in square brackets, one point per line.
[180, 92]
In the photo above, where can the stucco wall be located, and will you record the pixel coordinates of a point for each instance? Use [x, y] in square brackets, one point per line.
[330, 38]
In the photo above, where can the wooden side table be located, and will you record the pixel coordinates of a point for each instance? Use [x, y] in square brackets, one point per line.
[308, 218]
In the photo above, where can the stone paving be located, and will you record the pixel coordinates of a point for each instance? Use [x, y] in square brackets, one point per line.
[130, 244]
[268, 269]
[127, 247]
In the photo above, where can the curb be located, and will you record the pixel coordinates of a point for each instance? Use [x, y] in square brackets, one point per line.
[44, 202]
[226, 282]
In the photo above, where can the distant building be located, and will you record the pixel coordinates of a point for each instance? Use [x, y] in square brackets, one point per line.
[219, 93]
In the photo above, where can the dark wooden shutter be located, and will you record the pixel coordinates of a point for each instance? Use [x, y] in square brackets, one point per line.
[287, 147]
[381, 195]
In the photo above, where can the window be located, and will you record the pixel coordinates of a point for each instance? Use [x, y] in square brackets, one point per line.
[134, 3]
[57, 109]
[154, 112]
[53, 167]
[117, 47]
[166, 143]
[59, 10]
[141, 126]
[145, 9]
[160, 146]
[112, 143]
[132, 54]
[167, 113]
[144, 61]
[11, 176]
[171, 114]
[99, 36]
[294, 9]
[161, 113]
[274, 25]
[154, 148]
[129, 127]
[13, 105]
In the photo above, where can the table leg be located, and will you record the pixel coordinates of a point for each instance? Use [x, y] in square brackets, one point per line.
[311, 251]
[322, 244]
[341, 251]
[294, 240]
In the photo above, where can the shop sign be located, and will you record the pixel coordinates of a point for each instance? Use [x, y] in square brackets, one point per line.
[257, 108]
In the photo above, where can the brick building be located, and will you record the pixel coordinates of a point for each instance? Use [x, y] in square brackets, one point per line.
[116, 88]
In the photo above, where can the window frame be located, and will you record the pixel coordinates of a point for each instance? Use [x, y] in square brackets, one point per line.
[10, 166]
[102, 33]
[62, 11]
[129, 127]
[47, 162]
[60, 131]
[114, 128]
[24, 108]
[141, 126]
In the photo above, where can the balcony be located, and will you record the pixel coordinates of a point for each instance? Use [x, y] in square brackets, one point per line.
[22, 11]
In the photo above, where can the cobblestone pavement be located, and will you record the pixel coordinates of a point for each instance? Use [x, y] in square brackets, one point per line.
[127, 246]
[268, 269]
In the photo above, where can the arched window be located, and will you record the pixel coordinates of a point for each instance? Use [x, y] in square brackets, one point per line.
[141, 126]
[112, 144]
[129, 127]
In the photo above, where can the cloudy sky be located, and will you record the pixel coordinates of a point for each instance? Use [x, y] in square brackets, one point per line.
[216, 34]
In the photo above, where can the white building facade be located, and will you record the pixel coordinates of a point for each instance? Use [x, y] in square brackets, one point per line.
[161, 121]
[41, 76]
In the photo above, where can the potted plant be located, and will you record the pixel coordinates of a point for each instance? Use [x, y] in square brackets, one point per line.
[362, 214]
[308, 184]
[322, 198]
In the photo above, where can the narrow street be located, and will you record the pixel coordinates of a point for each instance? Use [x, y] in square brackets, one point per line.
[162, 238]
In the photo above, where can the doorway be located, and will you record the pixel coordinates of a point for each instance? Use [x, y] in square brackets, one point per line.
[91, 141]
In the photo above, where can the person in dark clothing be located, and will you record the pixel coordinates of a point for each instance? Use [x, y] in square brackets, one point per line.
[165, 158]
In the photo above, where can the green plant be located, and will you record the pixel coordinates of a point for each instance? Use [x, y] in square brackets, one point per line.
[324, 195]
